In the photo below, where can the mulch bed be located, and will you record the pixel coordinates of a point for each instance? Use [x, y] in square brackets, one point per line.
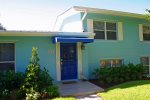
[106, 85]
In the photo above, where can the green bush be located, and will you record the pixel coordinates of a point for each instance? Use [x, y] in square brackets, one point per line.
[44, 79]
[33, 95]
[50, 92]
[11, 80]
[119, 74]
[6, 93]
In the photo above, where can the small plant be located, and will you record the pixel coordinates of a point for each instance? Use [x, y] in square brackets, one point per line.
[6, 93]
[37, 80]
[32, 74]
[33, 95]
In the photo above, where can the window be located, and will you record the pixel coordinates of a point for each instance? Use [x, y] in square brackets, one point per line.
[146, 33]
[146, 62]
[7, 56]
[105, 30]
[111, 63]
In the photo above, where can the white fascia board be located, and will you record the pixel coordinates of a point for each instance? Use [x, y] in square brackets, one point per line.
[76, 34]
[112, 12]
[34, 33]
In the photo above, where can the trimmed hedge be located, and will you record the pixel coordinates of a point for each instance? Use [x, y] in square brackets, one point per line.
[119, 74]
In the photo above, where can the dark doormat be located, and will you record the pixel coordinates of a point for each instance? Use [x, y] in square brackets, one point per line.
[69, 82]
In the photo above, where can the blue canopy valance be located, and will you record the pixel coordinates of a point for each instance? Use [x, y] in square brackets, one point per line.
[72, 39]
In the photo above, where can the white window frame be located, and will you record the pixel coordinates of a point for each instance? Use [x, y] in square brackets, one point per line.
[149, 62]
[14, 55]
[111, 60]
[105, 30]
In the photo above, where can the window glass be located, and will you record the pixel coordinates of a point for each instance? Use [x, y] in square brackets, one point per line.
[105, 30]
[110, 26]
[146, 33]
[146, 29]
[111, 63]
[7, 56]
[99, 34]
[7, 66]
[98, 25]
[145, 61]
[111, 35]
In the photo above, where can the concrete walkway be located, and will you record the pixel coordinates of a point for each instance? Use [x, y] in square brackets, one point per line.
[78, 88]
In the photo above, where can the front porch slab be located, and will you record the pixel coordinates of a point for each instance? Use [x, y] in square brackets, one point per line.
[78, 88]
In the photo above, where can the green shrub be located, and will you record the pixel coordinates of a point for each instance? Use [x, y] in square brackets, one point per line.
[11, 80]
[108, 79]
[45, 79]
[5, 93]
[33, 95]
[119, 74]
[32, 74]
[51, 92]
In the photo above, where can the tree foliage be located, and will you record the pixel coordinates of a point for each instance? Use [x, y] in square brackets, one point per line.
[2, 27]
[32, 73]
[148, 14]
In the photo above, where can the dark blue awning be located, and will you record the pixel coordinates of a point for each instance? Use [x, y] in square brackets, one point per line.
[72, 39]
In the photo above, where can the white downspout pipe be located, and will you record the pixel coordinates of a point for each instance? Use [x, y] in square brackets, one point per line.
[82, 19]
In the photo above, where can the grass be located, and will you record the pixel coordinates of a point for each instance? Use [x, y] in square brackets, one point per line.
[64, 98]
[134, 90]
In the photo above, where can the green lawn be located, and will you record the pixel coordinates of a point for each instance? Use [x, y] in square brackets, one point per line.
[64, 98]
[135, 90]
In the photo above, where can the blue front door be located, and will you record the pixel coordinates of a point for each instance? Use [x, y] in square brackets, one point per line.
[68, 61]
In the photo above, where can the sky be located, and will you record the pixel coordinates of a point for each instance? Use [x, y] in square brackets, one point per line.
[40, 15]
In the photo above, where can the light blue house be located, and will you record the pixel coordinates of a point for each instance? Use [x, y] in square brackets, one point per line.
[72, 52]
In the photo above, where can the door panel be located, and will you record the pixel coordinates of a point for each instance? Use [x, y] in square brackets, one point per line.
[68, 61]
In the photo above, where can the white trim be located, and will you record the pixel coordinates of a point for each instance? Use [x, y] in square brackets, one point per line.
[79, 55]
[34, 33]
[82, 20]
[120, 31]
[141, 32]
[111, 12]
[58, 69]
[90, 25]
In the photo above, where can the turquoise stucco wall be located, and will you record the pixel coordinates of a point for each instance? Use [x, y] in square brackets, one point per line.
[130, 49]
[23, 46]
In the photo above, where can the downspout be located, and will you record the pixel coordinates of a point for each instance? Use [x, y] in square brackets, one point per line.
[83, 77]
[82, 19]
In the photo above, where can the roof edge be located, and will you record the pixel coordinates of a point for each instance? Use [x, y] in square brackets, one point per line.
[105, 11]
[35, 33]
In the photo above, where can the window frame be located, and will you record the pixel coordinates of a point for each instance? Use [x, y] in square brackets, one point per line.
[14, 54]
[111, 60]
[105, 29]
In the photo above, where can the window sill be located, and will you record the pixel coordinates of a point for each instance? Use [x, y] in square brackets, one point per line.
[145, 41]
